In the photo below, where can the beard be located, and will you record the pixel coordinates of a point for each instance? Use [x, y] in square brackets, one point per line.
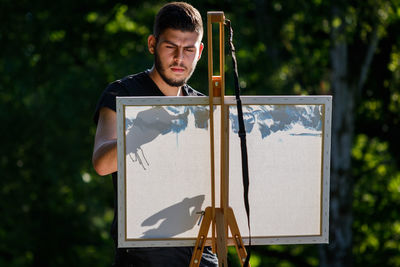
[162, 71]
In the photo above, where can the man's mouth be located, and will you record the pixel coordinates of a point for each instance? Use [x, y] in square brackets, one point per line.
[177, 69]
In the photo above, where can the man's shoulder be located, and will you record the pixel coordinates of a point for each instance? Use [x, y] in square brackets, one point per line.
[134, 79]
[136, 76]
[138, 84]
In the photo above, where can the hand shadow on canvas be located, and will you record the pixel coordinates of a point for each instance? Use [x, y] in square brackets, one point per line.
[176, 219]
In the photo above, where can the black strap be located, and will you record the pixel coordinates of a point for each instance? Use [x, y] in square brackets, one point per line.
[242, 135]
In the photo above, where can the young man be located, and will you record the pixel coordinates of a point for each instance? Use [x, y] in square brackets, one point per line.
[176, 46]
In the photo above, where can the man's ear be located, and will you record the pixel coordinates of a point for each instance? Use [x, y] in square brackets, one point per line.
[151, 43]
[200, 50]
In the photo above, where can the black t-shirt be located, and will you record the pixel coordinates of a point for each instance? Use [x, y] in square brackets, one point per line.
[134, 85]
[142, 85]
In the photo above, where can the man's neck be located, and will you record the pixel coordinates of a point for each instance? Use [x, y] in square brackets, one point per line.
[165, 88]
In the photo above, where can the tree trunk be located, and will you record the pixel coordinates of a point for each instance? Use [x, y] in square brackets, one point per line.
[345, 91]
[338, 252]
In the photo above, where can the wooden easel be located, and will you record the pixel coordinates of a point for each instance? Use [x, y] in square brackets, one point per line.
[221, 219]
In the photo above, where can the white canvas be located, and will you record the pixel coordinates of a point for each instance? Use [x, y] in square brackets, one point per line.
[164, 169]
[167, 159]
[284, 153]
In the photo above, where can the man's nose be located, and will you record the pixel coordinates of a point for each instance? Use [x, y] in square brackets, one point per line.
[179, 54]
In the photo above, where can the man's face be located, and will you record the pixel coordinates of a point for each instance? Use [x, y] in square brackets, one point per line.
[176, 55]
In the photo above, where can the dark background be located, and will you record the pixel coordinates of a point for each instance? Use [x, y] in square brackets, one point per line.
[58, 56]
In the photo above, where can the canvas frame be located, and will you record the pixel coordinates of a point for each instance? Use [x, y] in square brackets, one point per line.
[124, 102]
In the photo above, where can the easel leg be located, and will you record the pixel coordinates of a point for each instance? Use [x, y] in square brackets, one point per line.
[237, 238]
[222, 223]
[221, 238]
[201, 239]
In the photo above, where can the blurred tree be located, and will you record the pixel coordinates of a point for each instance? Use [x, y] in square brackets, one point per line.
[328, 47]
[56, 58]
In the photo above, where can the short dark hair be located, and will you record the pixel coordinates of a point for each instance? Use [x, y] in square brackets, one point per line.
[179, 16]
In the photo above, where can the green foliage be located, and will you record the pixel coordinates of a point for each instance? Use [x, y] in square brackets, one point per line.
[376, 198]
[57, 57]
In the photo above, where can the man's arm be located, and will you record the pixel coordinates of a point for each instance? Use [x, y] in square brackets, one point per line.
[105, 143]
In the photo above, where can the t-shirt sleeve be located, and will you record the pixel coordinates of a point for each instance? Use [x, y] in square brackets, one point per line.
[108, 98]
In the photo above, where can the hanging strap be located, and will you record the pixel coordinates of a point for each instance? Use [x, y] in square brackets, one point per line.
[242, 135]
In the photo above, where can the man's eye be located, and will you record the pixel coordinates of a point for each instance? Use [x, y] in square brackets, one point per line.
[190, 50]
[170, 47]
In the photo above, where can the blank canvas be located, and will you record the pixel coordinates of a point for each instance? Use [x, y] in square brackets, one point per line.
[164, 168]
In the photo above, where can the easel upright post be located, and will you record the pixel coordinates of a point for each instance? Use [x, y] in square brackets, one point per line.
[212, 93]
[223, 217]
